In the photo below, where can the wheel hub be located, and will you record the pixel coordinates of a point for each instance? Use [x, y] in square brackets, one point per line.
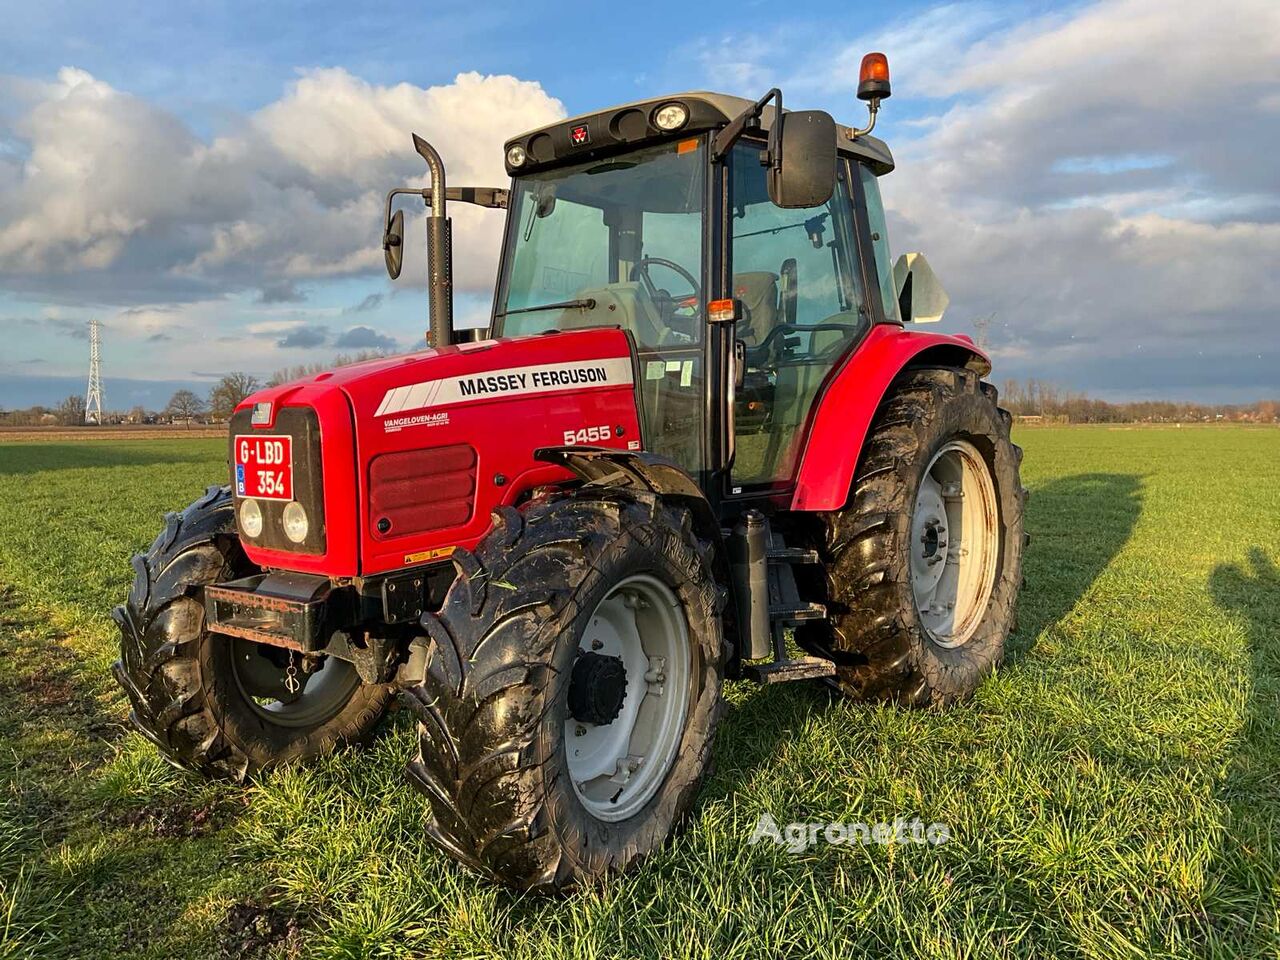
[955, 542]
[597, 688]
[628, 697]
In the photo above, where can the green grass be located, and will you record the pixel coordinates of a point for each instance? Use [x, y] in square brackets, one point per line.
[1113, 791]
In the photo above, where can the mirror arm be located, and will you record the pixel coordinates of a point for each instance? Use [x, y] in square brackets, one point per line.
[749, 119]
[495, 198]
[386, 219]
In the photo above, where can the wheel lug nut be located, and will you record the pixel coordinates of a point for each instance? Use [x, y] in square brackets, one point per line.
[597, 644]
[579, 731]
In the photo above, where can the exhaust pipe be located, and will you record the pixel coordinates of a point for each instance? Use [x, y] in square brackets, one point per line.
[439, 252]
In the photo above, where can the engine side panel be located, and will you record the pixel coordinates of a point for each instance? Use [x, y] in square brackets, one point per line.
[845, 409]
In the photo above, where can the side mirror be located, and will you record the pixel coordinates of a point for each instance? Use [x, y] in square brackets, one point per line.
[393, 244]
[807, 175]
[920, 295]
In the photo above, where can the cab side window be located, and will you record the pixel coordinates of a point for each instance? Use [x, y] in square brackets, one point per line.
[795, 273]
[879, 241]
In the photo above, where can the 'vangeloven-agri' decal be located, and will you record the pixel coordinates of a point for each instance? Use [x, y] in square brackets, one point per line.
[515, 382]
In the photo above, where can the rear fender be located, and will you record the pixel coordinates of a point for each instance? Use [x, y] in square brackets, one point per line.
[845, 409]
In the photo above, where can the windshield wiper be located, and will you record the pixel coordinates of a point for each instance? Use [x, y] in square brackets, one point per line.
[587, 304]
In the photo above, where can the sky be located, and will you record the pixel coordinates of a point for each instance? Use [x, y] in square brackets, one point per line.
[1097, 181]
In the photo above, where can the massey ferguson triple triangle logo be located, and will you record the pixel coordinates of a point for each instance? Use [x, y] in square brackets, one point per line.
[517, 381]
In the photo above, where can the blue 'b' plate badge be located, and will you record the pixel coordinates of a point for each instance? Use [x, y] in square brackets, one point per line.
[240, 479]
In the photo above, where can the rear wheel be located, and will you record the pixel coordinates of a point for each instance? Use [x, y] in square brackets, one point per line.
[222, 705]
[571, 691]
[924, 565]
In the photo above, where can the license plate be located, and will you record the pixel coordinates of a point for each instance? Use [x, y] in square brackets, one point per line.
[264, 467]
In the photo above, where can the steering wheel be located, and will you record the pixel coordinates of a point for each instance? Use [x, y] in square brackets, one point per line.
[760, 355]
[641, 272]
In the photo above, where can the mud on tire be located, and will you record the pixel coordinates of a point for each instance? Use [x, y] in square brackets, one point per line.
[179, 677]
[492, 703]
[875, 633]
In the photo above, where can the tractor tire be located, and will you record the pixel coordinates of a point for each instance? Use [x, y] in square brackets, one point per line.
[190, 694]
[936, 436]
[517, 710]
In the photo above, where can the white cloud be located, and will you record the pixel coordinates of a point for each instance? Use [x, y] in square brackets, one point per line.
[110, 198]
[1101, 181]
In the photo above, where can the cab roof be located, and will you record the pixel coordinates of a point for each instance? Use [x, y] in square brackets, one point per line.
[631, 124]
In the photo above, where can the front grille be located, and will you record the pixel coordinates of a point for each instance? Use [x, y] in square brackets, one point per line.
[415, 491]
[303, 425]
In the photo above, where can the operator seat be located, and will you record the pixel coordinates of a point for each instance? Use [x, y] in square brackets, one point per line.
[625, 304]
[758, 293]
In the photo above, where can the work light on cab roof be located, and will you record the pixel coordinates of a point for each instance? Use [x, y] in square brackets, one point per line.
[700, 424]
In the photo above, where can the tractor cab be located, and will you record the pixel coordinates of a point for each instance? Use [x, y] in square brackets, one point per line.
[738, 307]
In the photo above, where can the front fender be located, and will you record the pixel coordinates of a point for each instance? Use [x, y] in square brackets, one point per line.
[637, 472]
[845, 409]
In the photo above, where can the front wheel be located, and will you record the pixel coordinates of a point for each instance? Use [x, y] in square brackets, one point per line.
[221, 705]
[571, 691]
[924, 565]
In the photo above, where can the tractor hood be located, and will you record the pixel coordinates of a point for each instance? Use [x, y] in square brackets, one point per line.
[407, 456]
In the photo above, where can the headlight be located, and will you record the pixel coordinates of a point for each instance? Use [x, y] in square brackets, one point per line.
[515, 156]
[671, 116]
[295, 522]
[251, 518]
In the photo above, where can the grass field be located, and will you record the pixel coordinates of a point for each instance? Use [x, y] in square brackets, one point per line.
[1113, 791]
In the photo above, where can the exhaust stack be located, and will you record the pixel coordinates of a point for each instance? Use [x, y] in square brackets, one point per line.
[439, 251]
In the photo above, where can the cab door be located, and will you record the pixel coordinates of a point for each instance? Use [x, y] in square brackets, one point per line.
[797, 275]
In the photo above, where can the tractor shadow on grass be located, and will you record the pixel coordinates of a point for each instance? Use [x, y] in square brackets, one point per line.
[1243, 873]
[1078, 524]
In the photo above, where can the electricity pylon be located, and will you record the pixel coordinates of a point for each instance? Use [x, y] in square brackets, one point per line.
[93, 395]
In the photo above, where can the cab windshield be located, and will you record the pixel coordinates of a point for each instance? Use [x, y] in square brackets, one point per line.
[614, 242]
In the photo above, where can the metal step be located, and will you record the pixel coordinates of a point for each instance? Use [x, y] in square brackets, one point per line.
[781, 671]
[792, 555]
[797, 612]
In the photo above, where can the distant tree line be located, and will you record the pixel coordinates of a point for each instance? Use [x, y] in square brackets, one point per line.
[1037, 398]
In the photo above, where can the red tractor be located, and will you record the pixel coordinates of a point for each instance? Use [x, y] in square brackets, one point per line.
[699, 441]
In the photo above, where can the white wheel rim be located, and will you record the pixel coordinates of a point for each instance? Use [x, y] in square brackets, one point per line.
[955, 544]
[615, 768]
